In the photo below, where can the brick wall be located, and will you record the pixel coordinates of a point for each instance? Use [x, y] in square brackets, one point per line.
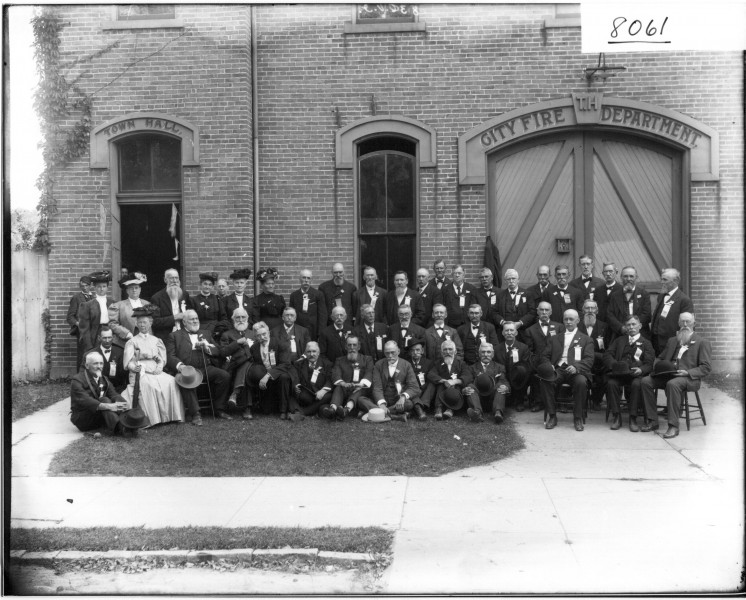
[472, 63]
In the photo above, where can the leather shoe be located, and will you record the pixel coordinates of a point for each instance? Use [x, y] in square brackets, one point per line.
[419, 413]
[197, 421]
[579, 425]
[520, 406]
[341, 413]
[438, 415]
[474, 414]
[551, 422]
[399, 417]
[447, 414]
[616, 422]
[671, 432]
[284, 416]
[649, 426]
[327, 412]
[633, 427]
[296, 417]
[536, 407]
[499, 418]
[223, 415]
[247, 415]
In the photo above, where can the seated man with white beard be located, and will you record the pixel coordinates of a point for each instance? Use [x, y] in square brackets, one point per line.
[236, 347]
[394, 386]
[601, 334]
[93, 400]
[682, 365]
[448, 374]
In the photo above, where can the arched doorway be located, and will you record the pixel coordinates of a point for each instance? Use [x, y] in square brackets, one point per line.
[617, 197]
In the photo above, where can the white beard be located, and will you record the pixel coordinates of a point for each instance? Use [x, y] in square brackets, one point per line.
[683, 336]
[174, 292]
[241, 327]
[589, 320]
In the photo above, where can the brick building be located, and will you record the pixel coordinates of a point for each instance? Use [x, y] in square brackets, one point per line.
[296, 136]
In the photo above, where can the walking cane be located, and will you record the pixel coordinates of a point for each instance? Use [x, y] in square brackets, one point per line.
[207, 379]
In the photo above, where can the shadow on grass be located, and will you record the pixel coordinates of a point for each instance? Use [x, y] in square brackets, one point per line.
[268, 446]
[28, 398]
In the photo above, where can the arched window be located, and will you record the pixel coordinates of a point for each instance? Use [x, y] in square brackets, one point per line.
[148, 198]
[387, 196]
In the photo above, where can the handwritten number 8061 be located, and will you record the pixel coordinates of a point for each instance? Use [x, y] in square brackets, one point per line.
[635, 27]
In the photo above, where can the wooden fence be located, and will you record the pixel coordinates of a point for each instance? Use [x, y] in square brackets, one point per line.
[29, 300]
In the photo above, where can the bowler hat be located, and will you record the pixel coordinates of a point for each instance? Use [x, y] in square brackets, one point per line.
[135, 278]
[100, 277]
[453, 399]
[211, 276]
[189, 377]
[519, 376]
[485, 384]
[664, 368]
[149, 310]
[134, 419]
[546, 372]
[414, 341]
[241, 274]
[376, 415]
[620, 368]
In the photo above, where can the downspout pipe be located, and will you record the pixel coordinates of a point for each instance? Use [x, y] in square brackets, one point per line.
[255, 142]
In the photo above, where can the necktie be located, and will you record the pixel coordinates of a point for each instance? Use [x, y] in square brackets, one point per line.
[458, 288]
[370, 330]
[340, 333]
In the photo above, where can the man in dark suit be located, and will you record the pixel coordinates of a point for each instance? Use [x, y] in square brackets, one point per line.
[538, 336]
[688, 354]
[207, 305]
[672, 302]
[439, 333]
[491, 392]
[603, 292]
[600, 333]
[191, 347]
[239, 298]
[421, 367]
[113, 359]
[312, 383]
[172, 303]
[630, 300]
[440, 280]
[333, 339]
[84, 295]
[405, 331]
[371, 294]
[542, 291]
[235, 347]
[352, 376]
[292, 337]
[338, 294]
[516, 358]
[449, 374]
[372, 335]
[475, 333]
[92, 315]
[401, 295]
[93, 400]
[394, 386]
[627, 361]
[429, 295]
[457, 297]
[270, 372]
[564, 297]
[512, 305]
[487, 292]
[587, 282]
[570, 356]
[310, 305]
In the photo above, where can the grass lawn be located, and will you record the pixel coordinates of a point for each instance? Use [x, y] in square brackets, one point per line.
[730, 383]
[333, 539]
[28, 398]
[268, 446]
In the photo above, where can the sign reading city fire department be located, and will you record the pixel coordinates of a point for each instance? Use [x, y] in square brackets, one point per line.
[589, 110]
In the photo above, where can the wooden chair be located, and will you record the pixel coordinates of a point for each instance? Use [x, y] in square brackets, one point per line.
[688, 408]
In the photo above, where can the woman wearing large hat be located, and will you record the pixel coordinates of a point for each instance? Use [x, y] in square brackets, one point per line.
[121, 319]
[145, 354]
[268, 306]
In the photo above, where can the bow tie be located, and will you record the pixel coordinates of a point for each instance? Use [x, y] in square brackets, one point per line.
[439, 329]
[587, 278]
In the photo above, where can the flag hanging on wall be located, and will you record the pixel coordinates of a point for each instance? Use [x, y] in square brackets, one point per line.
[172, 230]
[492, 260]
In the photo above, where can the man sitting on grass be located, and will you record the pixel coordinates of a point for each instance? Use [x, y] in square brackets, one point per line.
[94, 401]
[448, 374]
[352, 376]
[394, 385]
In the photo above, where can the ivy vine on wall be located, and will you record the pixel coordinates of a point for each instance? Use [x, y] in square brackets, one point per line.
[64, 116]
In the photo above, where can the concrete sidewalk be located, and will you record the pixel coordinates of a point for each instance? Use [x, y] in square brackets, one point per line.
[597, 511]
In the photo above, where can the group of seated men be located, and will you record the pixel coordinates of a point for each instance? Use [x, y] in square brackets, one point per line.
[440, 347]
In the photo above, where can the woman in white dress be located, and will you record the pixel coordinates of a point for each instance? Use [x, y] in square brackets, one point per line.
[160, 397]
[121, 318]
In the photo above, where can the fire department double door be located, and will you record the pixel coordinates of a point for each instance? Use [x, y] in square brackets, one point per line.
[616, 198]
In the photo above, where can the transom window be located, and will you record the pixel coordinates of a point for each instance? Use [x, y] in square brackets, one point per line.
[149, 164]
[142, 12]
[386, 13]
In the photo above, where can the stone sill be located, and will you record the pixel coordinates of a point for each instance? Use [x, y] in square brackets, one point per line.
[144, 24]
[562, 22]
[353, 28]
